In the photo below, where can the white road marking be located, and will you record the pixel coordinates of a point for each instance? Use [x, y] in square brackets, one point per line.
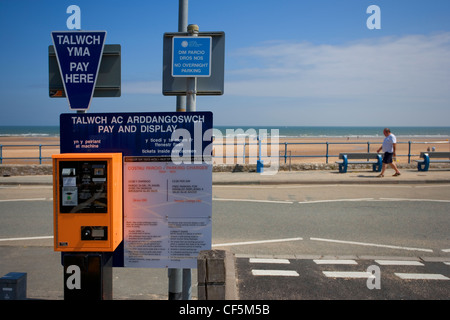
[421, 276]
[334, 261]
[283, 273]
[32, 199]
[414, 200]
[372, 244]
[26, 187]
[331, 200]
[27, 238]
[274, 261]
[254, 200]
[309, 186]
[290, 186]
[337, 200]
[398, 263]
[254, 242]
[347, 274]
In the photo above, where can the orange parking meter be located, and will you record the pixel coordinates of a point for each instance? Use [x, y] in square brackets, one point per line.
[87, 202]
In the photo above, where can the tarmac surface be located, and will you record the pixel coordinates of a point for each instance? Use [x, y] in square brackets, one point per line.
[29, 254]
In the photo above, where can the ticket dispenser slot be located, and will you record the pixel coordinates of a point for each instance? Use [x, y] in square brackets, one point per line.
[87, 202]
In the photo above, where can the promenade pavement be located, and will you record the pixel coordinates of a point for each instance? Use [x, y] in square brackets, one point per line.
[410, 176]
[44, 268]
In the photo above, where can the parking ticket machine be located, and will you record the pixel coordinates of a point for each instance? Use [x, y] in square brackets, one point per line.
[87, 191]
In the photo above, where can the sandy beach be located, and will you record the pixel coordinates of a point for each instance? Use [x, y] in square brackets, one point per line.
[307, 150]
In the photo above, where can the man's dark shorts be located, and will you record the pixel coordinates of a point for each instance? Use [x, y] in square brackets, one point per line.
[387, 158]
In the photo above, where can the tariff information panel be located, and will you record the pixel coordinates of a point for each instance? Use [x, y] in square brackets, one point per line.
[167, 213]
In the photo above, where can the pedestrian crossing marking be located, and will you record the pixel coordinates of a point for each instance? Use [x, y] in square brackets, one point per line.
[275, 261]
[421, 276]
[284, 273]
[347, 274]
[398, 263]
[334, 261]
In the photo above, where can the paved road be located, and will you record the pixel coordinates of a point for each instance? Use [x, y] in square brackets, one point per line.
[395, 218]
[307, 278]
[318, 241]
[308, 222]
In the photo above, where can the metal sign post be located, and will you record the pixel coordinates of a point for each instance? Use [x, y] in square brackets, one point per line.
[188, 72]
[191, 85]
[175, 276]
[191, 94]
[190, 106]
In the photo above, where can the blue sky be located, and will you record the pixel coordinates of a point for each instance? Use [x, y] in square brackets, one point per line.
[287, 62]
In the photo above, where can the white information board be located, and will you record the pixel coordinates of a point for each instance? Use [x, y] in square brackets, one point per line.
[167, 213]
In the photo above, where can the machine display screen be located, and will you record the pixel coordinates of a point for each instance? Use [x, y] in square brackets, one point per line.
[83, 187]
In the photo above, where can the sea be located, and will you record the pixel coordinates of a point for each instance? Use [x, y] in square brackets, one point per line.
[283, 131]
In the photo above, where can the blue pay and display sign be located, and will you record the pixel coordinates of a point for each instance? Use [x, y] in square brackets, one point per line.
[167, 180]
[79, 54]
[191, 57]
[154, 134]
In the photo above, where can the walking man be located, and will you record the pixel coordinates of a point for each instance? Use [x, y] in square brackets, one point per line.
[389, 148]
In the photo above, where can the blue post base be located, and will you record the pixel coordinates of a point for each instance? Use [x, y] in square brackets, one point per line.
[343, 165]
[259, 166]
[378, 166]
[425, 164]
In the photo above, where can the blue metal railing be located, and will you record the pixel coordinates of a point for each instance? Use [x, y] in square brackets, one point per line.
[282, 146]
[40, 158]
[287, 155]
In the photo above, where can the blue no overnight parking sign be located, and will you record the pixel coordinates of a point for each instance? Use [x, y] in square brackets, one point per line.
[191, 57]
[79, 54]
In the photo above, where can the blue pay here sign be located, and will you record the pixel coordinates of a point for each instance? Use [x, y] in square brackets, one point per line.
[191, 57]
[79, 54]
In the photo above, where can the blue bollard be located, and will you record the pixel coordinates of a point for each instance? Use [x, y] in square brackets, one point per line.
[259, 166]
